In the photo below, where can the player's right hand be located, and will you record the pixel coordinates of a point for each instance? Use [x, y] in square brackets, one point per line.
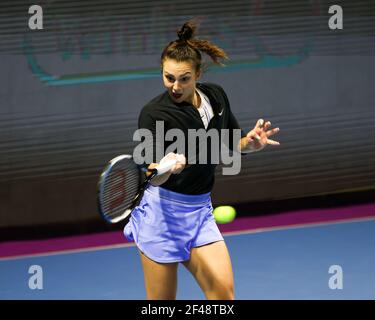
[179, 166]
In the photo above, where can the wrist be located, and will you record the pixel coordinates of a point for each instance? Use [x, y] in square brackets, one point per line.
[245, 146]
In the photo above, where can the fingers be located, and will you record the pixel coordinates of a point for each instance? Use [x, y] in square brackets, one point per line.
[180, 165]
[259, 124]
[273, 142]
[258, 137]
[181, 159]
[262, 126]
[267, 125]
[272, 132]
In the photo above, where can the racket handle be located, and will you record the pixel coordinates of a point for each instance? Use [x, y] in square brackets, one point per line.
[166, 166]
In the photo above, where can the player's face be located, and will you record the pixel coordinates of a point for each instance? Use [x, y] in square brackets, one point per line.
[180, 80]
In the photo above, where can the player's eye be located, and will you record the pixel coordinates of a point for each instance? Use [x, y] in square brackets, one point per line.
[169, 78]
[185, 79]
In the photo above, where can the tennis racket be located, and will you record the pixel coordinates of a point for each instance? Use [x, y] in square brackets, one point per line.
[121, 186]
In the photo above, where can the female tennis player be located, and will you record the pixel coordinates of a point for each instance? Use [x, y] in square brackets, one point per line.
[174, 221]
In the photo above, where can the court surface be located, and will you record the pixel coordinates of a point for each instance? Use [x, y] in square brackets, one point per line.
[274, 257]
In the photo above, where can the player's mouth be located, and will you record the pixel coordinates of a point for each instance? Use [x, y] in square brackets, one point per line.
[176, 95]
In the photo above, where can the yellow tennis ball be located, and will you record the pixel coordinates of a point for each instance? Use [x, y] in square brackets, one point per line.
[224, 214]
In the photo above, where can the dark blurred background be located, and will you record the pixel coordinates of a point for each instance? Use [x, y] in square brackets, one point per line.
[70, 95]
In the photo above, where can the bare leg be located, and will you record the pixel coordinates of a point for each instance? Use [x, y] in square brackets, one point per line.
[160, 279]
[211, 267]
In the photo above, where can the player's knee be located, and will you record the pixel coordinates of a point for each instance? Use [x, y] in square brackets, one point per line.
[222, 290]
[228, 291]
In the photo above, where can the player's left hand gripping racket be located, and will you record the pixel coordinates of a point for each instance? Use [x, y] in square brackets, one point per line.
[121, 186]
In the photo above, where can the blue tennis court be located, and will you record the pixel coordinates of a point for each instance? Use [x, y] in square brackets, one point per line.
[291, 263]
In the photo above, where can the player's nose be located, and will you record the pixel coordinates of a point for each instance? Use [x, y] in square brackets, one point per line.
[176, 87]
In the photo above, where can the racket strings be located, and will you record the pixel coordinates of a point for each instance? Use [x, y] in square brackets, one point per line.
[120, 188]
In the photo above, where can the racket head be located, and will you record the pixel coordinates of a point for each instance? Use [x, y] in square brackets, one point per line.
[118, 187]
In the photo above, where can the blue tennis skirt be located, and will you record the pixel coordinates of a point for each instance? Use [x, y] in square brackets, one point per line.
[166, 224]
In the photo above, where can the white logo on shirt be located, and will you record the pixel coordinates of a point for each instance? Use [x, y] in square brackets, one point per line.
[220, 113]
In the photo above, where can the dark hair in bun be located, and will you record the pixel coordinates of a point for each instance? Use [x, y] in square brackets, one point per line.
[188, 48]
[187, 31]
